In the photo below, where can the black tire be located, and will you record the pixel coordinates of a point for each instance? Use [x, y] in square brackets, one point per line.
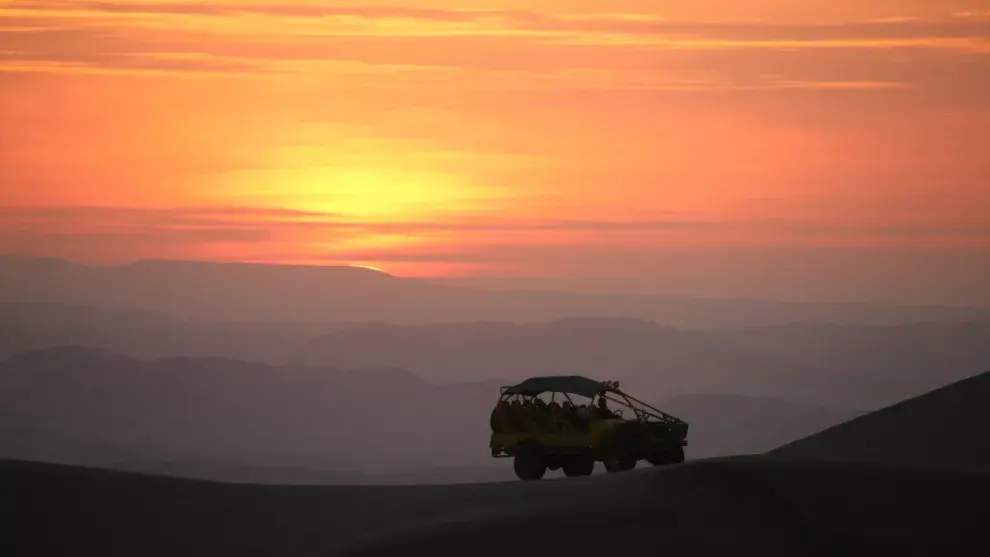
[670, 456]
[578, 465]
[529, 463]
[618, 463]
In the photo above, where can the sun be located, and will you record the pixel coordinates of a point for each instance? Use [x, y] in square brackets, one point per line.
[369, 267]
[372, 193]
[360, 192]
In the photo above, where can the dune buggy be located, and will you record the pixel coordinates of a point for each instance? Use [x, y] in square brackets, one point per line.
[566, 422]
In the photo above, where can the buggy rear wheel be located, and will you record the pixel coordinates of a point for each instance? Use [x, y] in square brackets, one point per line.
[618, 462]
[529, 463]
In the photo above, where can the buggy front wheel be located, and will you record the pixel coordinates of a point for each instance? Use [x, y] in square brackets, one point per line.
[578, 465]
[670, 456]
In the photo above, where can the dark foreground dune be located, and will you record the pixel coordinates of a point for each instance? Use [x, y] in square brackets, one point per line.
[784, 503]
[718, 507]
[945, 428]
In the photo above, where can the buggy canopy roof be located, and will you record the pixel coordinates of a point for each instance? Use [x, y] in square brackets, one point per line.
[573, 384]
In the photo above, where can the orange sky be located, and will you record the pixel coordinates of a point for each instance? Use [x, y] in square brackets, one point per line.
[528, 137]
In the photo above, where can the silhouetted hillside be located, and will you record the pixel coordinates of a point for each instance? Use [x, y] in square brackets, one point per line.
[944, 428]
[48, 314]
[847, 367]
[734, 424]
[249, 292]
[207, 415]
[731, 507]
[236, 414]
[30, 326]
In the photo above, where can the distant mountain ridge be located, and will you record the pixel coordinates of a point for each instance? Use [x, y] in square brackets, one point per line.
[853, 366]
[256, 292]
[28, 326]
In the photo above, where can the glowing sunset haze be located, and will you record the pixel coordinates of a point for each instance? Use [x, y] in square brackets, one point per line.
[676, 145]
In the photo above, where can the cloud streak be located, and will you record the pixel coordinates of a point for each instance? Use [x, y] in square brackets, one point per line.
[330, 22]
[972, 25]
[105, 37]
[279, 220]
[461, 244]
[504, 50]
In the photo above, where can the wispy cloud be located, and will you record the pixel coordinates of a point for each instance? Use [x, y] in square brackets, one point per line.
[406, 49]
[467, 243]
[92, 219]
[503, 49]
[79, 33]
[246, 8]
[959, 25]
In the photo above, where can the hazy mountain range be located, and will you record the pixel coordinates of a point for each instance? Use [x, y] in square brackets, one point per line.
[276, 373]
[213, 416]
[852, 366]
[248, 292]
[228, 419]
[848, 367]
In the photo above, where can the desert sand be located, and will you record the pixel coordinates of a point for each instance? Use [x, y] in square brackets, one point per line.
[941, 429]
[907, 480]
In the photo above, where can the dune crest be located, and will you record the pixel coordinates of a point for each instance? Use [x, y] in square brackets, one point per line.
[945, 428]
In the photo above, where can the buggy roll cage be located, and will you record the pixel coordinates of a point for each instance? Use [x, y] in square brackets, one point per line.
[643, 411]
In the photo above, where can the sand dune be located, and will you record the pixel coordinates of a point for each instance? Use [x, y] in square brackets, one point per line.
[732, 507]
[717, 507]
[944, 428]
[787, 502]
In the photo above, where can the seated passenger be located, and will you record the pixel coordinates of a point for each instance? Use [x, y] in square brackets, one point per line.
[603, 410]
[541, 415]
[500, 418]
[564, 417]
[556, 416]
[583, 414]
[528, 415]
[556, 420]
[567, 412]
[516, 416]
